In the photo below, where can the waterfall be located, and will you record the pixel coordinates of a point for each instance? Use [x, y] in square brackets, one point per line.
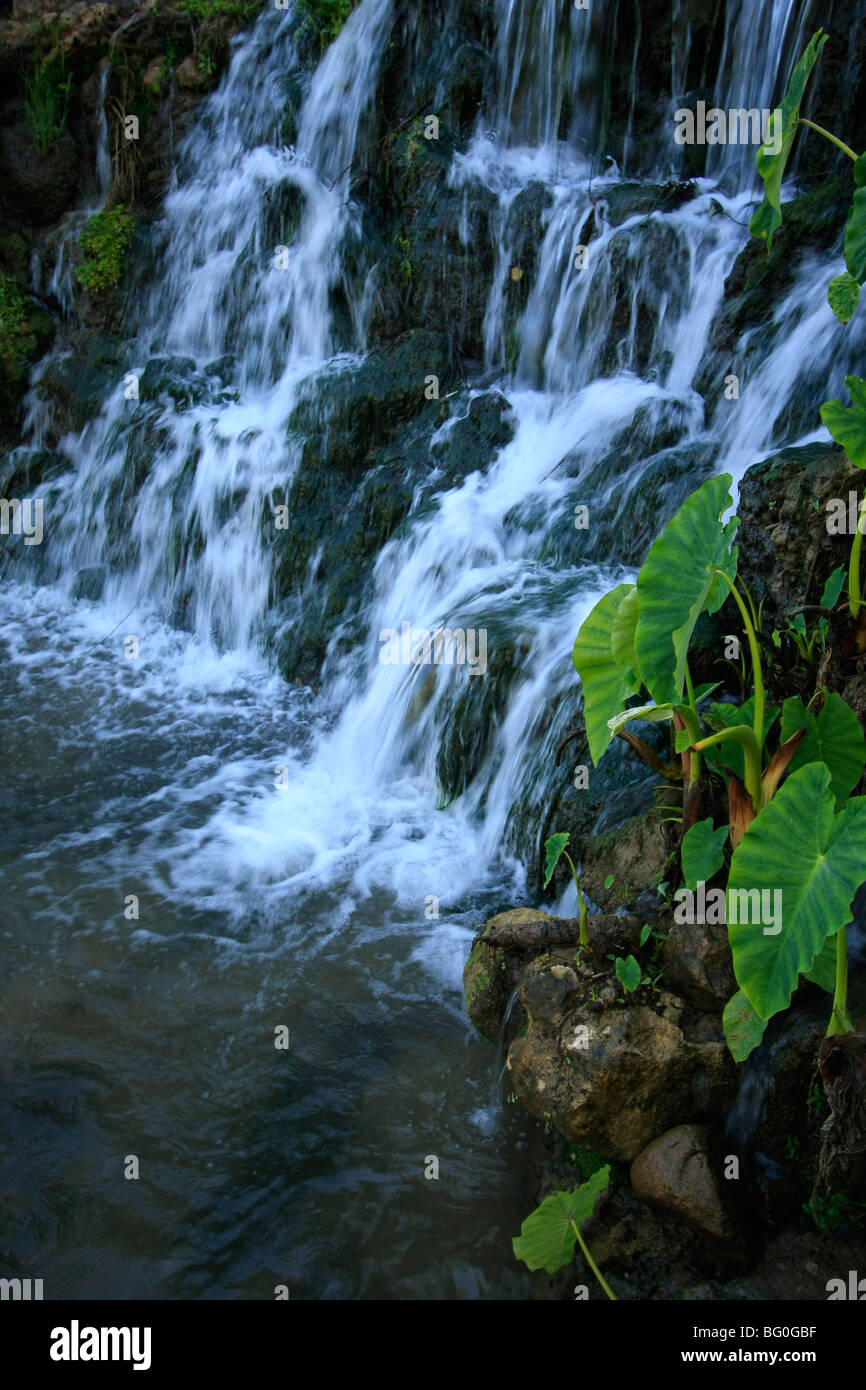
[287, 846]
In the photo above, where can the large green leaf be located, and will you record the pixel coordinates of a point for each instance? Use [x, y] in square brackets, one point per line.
[604, 688]
[553, 848]
[768, 216]
[547, 1237]
[843, 294]
[622, 638]
[833, 737]
[797, 846]
[847, 424]
[703, 852]
[677, 583]
[743, 1028]
[855, 237]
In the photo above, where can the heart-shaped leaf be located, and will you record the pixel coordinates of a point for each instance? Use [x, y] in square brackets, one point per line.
[547, 1236]
[833, 737]
[627, 972]
[622, 638]
[703, 852]
[843, 294]
[768, 216]
[678, 582]
[743, 1028]
[800, 848]
[553, 848]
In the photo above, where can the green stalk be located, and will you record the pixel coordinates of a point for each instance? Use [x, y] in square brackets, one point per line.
[821, 131]
[584, 929]
[839, 1020]
[752, 751]
[591, 1262]
[757, 674]
[696, 759]
[854, 600]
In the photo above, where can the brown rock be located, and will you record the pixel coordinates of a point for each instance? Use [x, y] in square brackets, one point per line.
[698, 964]
[675, 1172]
[610, 1080]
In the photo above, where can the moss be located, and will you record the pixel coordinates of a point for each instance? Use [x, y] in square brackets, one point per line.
[242, 10]
[321, 20]
[15, 339]
[105, 240]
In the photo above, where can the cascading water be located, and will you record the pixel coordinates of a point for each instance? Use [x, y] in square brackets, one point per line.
[197, 854]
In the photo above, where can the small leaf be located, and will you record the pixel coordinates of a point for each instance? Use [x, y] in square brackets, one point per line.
[833, 588]
[645, 933]
[553, 848]
[608, 880]
[725, 716]
[768, 216]
[703, 852]
[847, 424]
[843, 293]
[627, 972]
[743, 1028]
[547, 1236]
[647, 714]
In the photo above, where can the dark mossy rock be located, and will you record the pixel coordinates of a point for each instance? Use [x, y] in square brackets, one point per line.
[354, 411]
[24, 469]
[620, 201]
[89, 583]
[786, 552]
[37, 187]
[473, 441]
[176, 378]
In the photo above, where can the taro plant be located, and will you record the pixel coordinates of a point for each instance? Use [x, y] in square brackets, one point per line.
[548, 1235]
[802, 837]
[554, 850]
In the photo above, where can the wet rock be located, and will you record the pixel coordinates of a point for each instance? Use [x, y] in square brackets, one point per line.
[783, 512]
[635, 855]
[491, 973]
[676, 1172]
[698, 964]
[90, 582]
[615, 1079]
[38, 186]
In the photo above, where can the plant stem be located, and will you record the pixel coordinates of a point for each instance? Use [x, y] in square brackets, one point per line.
[752, 752]
[854, 600]
[757, 674]
[821, 131]
[581, 905]
[839, 1020]
[696, 760]
[591, 1262]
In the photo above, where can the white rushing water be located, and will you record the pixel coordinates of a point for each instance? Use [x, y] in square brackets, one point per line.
[269, 824]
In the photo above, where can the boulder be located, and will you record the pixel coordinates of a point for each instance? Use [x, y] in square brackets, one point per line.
[675, 1172]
